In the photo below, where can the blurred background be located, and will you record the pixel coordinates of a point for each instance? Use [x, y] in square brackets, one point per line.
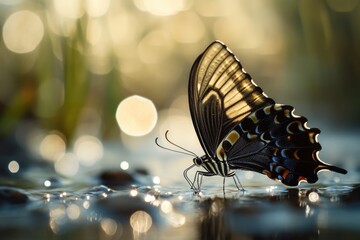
[89, 83]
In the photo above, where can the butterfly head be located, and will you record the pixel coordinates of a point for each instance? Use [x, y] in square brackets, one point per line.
[198, 161]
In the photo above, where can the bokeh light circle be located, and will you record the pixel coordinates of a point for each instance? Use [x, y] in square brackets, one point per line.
[52, 146]
[67, 165]
[69, 8]
[140, 221]
[14, 166]
[23, 31]
[161, 7]
[136, 115]
[88, 149]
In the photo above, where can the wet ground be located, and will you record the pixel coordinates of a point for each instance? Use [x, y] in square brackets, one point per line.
[125, 209]
[37, 203]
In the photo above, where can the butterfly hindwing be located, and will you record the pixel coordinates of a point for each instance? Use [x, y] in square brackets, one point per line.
[275, 142]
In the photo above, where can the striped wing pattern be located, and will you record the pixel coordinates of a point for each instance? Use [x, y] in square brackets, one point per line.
[241, 128]
[221, 94]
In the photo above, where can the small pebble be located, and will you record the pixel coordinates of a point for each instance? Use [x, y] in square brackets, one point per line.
[12, 196]
[115, 178]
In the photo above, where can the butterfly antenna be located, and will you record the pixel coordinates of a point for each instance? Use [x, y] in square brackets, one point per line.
[174, 144]
[172, 150]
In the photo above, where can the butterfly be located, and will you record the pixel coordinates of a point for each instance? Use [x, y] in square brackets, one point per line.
[241, 128]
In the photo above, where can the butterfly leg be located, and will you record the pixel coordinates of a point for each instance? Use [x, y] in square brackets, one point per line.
[192, 183]
[198, 179]
[236, 180]
[224, 185]
[238, 183]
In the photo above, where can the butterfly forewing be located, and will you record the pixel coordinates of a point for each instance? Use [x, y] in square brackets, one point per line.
[221, 94]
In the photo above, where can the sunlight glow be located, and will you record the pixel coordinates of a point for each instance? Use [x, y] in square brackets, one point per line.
[69, 8]
[73, 211]
[93, 32]
[124, 165]
[166, 206]
[133, 192]
[149, 198]
[186, 27]
[136, 115]
[97, 8]
[88, 149]
[140, 221]
[14, 166]
[47, 183]
[86, 204]
[215, 8]
[109, 226]
[155, 47]
[52, 146]
[176, 219]
[56, 218]
[156, 180]
[23, 32]
[161, 7]
[314, 197]
[67, 165]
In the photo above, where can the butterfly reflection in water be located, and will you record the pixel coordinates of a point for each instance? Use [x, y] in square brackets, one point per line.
[239, 127]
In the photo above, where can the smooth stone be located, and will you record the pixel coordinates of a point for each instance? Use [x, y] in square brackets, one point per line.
[12, 196]
[115, 178]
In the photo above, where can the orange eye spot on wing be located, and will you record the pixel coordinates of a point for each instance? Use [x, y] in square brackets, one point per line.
[285, 174]
[287, 113]
[279, 169]
[301, 178]
[220, 153]
[233, 137]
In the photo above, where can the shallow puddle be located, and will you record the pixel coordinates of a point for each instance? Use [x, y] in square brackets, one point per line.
[81, 211]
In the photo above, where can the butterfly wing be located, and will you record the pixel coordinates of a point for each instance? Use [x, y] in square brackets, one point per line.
[235, 121]
[221, 94]
[275, 142]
